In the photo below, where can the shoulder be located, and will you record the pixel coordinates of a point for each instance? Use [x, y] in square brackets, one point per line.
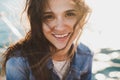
[17, 69]
[83, 54]
[15, 60]
[17, 66]
[82, 49]
[82, 59]
[19, 63]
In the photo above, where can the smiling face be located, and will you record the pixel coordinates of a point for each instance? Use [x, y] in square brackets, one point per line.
[59, 20]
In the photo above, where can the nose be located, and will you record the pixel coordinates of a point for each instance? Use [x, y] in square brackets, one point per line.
[60, 24]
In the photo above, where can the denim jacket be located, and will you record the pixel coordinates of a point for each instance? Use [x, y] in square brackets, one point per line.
[17, 68]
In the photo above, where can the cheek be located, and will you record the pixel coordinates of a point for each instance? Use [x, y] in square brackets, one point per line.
[45, 29]
[71, 23]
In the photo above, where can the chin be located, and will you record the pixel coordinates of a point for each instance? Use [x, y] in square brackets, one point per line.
[60, 47]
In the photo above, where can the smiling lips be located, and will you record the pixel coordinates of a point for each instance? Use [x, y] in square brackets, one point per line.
[61, 37]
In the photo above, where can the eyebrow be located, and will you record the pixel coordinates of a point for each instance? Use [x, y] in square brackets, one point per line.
[50, 12]
[72, 10]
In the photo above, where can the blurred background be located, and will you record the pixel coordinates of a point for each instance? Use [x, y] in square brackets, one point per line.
[101, 33]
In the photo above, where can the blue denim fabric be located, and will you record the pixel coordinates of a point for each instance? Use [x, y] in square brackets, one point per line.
[17, 68]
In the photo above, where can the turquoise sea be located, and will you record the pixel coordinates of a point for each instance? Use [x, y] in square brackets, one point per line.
[10, 29]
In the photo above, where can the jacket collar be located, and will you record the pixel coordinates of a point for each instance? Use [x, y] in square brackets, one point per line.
[50, 64]
[79, 62]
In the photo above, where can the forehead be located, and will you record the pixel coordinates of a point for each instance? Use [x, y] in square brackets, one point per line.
[57, 5]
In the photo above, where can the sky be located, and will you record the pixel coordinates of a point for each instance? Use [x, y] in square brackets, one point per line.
[103, 28]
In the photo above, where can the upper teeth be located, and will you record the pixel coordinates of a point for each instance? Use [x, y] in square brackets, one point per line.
[59, 36]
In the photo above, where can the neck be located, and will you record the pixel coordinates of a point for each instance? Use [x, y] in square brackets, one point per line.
[59, 56]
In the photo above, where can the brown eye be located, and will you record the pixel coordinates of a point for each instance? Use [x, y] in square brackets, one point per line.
[48, 17]
[70, 14]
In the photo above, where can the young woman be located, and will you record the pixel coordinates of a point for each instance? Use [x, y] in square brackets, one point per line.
[50, 50]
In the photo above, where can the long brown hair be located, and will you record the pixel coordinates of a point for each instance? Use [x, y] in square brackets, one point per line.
[35, 47]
